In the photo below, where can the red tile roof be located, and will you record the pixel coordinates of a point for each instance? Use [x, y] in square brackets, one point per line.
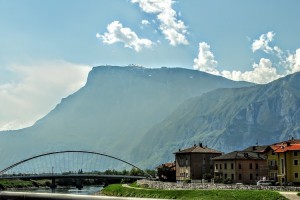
[293, 147]
[171, 166]
[289, 145]
[198, 149]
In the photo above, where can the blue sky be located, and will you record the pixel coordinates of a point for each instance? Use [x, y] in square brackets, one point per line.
[48, 47]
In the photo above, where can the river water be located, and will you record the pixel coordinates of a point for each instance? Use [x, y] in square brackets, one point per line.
[86, 190]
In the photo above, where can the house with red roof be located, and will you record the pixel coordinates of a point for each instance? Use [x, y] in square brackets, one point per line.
[284, 162]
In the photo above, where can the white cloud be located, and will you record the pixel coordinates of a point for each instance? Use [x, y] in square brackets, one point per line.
[145, 22]
[116, 33]
[261, 73]
[206, 61]
[41, 87]
[174, 30]
[263, 42]
[293, 61]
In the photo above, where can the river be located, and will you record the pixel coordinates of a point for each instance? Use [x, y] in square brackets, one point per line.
[86, 190]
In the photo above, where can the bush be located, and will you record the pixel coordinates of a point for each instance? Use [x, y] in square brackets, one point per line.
[218, 180]
[207, 176]
[187, 181]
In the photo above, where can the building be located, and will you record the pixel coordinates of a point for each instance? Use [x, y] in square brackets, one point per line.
[166, 172]
[194, 162]
[246, 166]
[284, 162]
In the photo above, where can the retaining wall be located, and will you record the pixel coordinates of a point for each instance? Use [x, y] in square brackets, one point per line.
[210, 186]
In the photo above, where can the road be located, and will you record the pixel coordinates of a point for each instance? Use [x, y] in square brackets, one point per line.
[290, 195]
[4, 195]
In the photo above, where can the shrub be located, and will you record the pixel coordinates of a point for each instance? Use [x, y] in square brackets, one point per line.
[227, 181]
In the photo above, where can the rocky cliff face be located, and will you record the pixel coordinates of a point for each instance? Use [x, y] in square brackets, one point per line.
[230, 119]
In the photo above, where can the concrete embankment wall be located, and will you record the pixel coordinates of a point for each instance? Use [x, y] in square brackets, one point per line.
[209, 186]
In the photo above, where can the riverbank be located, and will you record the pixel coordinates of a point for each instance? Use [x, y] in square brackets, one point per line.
[119, 190]
[18, 184]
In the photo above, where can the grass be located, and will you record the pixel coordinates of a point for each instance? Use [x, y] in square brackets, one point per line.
[5, 184]
[118, 190]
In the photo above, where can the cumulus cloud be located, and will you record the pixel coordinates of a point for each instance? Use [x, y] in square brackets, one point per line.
[173, 29]
[263, 42]
[206, 60]
[117, 33]
[284, 62]
[293, 61]
[261, 73]
[40, 87]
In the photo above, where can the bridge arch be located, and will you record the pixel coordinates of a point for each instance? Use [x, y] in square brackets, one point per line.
[2, 172]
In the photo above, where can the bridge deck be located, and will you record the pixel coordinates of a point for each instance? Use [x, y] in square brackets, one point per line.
[82, 176]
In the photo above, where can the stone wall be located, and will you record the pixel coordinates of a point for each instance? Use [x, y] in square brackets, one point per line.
[210, 186]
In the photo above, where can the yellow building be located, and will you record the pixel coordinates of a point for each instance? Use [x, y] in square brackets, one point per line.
[284, 162]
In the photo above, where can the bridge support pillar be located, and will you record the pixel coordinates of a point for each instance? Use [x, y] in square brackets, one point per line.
[79, 184]
[53, 185]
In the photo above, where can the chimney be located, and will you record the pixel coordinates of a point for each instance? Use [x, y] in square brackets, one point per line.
[200, 145]
[195, 145]
[179, 149]
[246, 155]
[253, 148]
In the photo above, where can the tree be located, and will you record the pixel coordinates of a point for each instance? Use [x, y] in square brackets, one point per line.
[167, 172]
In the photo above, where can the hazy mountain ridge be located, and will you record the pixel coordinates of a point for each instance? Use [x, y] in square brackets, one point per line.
[230, 119]
[112, 112]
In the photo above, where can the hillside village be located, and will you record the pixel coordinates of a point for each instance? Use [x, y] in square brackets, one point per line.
[278, 163]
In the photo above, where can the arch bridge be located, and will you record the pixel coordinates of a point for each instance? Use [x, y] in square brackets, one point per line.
[73, 164]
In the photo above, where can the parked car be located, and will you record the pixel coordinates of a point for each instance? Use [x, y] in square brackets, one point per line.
[264, 182]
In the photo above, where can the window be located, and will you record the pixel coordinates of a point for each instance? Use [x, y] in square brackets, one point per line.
[251, 176]
[240, 166]
[186, 161]
[282, 166]
[216, 166]
[257, 177]
[232, 176]
[256, 165]
[295, 153]
[250, 165]
[231, 165]
[295, 162]
[273, 153]
[296, 175]
[240, 176]
[220, 166]
[225, 175]
[225, 166]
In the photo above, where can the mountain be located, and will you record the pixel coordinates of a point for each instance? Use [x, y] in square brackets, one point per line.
[228, 119]
[111, 113]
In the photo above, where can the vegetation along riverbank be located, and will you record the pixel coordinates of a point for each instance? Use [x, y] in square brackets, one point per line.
[134, 191]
